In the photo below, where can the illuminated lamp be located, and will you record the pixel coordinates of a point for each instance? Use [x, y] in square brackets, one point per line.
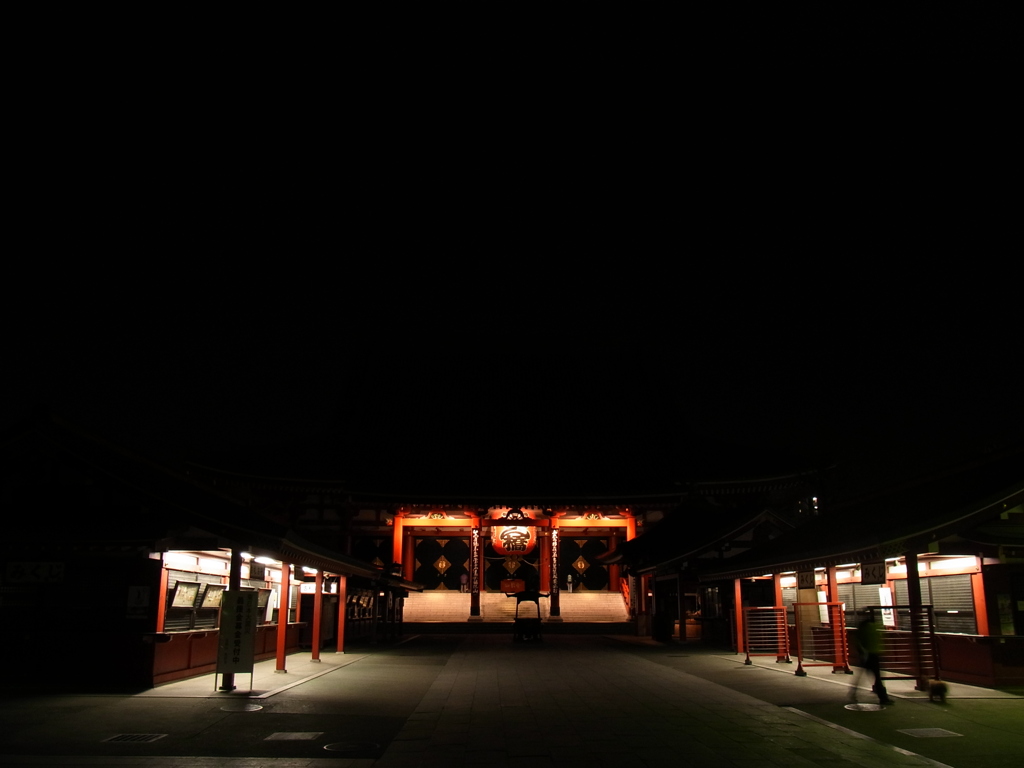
[515, 534]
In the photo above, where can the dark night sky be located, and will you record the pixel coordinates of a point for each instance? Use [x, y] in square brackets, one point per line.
[449, 270]
[503, 384]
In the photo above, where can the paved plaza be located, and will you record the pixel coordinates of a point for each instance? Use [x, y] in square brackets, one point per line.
[572, 701]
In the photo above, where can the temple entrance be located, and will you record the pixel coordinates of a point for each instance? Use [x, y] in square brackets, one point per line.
[499, 567]
[441, 562]
[578, 560]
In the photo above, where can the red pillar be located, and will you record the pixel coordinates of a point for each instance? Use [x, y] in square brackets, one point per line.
[741, 645]
[282, 615]
[318, 599]
[161, 603]
[980, 608]
[613, 569]
[840, 662]
[781, 654]
[545, 560]
[398, 530]
[342, 611]
[408, 555]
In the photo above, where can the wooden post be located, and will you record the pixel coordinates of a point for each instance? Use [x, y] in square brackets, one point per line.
[342, 611]
[545, 560]
[613, 570]
[840, 664]
[227, 680]
[282, 615]
[408, 556]
[475, 557]
[914, 598]
[781, 655]
[397, 540]
[318, 599]
[980, 607]
[741, 646]
[554, 602]
[161, 605]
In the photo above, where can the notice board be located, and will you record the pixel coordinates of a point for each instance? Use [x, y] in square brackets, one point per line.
[236, 650]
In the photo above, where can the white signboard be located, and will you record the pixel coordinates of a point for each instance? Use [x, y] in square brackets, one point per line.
[822, 607]
[309, 588]
[236, 649]
[885, 598]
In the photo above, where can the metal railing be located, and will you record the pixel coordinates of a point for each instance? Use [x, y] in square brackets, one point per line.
[902, 657]
[766, 633]
[821, 637]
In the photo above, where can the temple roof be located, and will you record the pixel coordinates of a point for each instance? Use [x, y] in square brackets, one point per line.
[161, 502]
[950, 504]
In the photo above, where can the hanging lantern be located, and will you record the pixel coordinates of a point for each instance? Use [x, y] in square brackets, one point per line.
[515, 534]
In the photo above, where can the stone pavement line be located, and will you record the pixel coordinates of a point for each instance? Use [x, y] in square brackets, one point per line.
[851, 732]
[200, 687]
[569, 704]
[307, 678]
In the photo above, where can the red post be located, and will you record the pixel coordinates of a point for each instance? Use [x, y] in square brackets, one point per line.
[282, 615]
[342, 611]
[980, 607]
[545, 561]
[408, 556]
[741, 646]
[318, 599]
[161, 603]
[613, 577]
[783, 649]
[836, 619]
[396, 542]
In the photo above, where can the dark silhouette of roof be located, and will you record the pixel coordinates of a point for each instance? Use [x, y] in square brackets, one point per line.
[166, 501]
[890, 521]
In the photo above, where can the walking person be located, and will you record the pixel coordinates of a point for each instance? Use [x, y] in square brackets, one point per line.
[869, 645]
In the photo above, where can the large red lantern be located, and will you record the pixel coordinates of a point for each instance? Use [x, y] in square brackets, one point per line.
[514, 534]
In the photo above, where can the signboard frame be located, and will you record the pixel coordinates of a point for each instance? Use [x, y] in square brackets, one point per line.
[236, 645]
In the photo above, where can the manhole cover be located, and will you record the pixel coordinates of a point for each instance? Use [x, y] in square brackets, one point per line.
[240, 707]
[294, 736]
[928, 733]
[864, 707]
[352, 746]
[136, 738]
